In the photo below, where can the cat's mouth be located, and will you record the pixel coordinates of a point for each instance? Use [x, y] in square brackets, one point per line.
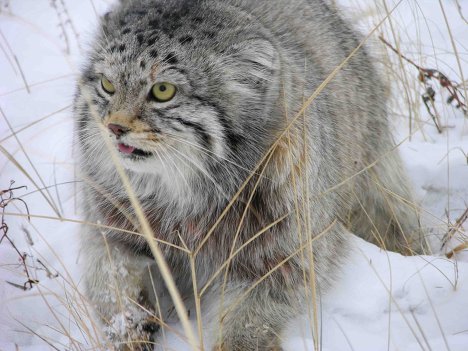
[133, 151]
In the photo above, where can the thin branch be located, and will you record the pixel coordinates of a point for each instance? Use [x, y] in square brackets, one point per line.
[425, 76]
[6, 198]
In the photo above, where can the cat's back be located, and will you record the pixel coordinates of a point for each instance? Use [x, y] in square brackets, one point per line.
[290, 22]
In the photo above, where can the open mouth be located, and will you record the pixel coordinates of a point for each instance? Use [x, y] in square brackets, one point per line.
[133, 151]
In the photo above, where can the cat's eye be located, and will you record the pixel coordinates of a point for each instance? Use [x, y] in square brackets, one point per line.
[107, 85]
[163, 92]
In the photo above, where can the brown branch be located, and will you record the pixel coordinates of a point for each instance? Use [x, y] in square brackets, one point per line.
[426, 75]
[453, 230]
[7, 197]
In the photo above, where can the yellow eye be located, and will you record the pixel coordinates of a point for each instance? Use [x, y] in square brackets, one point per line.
[163, 92]
[107, 85]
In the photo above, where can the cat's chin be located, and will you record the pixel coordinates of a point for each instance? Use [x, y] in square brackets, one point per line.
[144, 165]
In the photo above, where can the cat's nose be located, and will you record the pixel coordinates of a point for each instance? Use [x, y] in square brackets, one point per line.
[117, 129]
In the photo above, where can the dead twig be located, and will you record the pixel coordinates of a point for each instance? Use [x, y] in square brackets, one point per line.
[460, 11]
[426, 76]
[7, 197]
[457, 227]
[461, 247]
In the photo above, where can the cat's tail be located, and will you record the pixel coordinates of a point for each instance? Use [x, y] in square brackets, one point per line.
[385, 212]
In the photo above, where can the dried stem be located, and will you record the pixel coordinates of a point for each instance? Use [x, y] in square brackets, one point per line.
[7, 197]
[453, 230]
[425, 76]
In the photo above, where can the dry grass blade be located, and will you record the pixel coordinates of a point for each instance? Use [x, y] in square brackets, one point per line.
[97, 225]
[421, 331]
[36, 334]
[234, 253]
[455, 228]
[10, 54]
[147, 232]
[35, 122]
[393, 300]
[23, 77]
[197, 301]
[459, 248]
[64, 330]
[77, 305]
[13, 160]
[156, 251]
[275, 268]
[49, 197]
[286, 130]
[32, 85]
[403, 71]
[79, 300]
[12, 65]
[436, 316]
[457, 56]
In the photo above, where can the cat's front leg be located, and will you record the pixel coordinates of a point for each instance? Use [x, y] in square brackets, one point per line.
[114, 284]
[255, 320]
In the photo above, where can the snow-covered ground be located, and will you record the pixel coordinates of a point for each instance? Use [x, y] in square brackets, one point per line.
[383, 301]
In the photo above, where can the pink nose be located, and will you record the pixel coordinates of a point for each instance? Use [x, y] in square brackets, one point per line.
[117, 129]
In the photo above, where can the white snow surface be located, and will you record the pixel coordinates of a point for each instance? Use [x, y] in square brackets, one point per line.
[382, 300]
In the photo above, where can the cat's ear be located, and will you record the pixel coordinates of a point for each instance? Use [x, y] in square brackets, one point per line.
[106, 17]
[252, 79]
[106, 22]
[255, 58]
[119, 6]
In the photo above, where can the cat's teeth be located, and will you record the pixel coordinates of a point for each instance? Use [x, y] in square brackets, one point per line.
[126, 149]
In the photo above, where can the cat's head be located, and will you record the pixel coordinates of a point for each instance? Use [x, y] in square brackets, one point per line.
[183, 93]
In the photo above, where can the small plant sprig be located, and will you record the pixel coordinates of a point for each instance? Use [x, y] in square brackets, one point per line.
[6, 198]
[65, 20]
[426, 76]
[454, 229]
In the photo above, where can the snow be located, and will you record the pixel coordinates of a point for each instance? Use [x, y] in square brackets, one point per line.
[382, 301]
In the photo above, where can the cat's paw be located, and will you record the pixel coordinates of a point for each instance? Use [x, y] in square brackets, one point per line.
[243, 347]
[132, 331]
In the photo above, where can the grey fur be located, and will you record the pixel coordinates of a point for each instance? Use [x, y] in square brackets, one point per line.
[243, 69]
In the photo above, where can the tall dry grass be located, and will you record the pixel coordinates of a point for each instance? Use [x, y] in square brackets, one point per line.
[409, 80]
